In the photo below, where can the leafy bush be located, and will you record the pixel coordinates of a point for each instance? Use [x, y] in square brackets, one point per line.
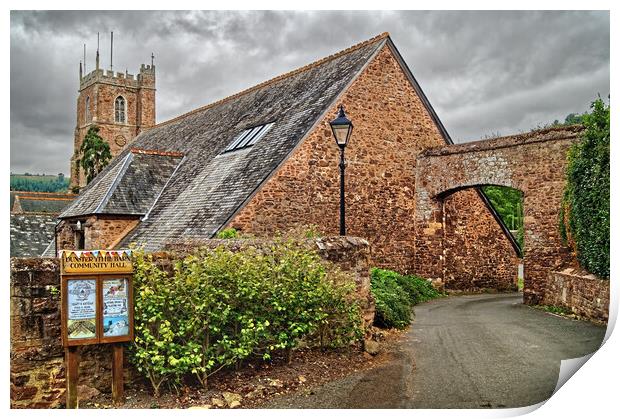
[227, 233]
[392, 305]
[584, 216]
[396, 294]
[218, 307]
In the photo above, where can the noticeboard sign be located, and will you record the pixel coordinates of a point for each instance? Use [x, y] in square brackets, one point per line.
[95, 261]
[97, 296]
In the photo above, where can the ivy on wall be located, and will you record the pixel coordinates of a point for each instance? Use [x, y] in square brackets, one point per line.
[584, 215]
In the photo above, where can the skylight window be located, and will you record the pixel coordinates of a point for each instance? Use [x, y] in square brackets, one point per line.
[249, 137]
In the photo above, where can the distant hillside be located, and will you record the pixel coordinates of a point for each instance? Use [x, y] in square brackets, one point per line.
[39, 183]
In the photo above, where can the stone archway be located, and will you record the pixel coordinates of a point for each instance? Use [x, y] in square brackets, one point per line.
[533, 163]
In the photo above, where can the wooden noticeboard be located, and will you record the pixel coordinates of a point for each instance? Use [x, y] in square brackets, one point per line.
[97, 297]
[97, 307]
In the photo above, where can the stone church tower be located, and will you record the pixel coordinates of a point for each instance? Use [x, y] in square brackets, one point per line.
[120, 104]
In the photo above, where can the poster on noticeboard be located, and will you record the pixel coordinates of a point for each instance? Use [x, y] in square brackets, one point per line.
[81, 308]
[115, 307]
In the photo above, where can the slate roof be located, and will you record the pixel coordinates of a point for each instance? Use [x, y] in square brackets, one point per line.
[47, 202]
[130, 186]
[31, 234]
[207, 187]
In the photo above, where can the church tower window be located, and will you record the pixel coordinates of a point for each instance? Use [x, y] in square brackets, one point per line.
[119, 110]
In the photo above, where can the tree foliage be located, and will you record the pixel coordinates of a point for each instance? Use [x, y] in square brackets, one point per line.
[33, 183]
[95, 153]
[571, 119]
[217, 308]
[508, 202]
[584, 215]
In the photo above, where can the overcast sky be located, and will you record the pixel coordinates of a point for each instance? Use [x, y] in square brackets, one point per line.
[484, 72]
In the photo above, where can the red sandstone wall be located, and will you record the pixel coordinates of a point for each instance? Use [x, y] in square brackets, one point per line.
[391, 128]
[104, 232]
[101, 232]
[37, 355]
[533, 163]
[477, 255]
[584, 294]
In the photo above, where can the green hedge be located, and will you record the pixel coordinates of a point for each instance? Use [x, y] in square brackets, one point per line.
[219, 307]
[396, 294]
[584, 216]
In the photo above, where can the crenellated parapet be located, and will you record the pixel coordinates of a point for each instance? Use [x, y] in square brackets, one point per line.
[144, 79]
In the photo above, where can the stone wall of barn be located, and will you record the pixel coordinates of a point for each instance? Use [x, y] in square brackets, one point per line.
[100, 231]
[37, 355]
[391, 127]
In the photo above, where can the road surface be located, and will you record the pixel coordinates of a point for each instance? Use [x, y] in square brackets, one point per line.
[471, 351]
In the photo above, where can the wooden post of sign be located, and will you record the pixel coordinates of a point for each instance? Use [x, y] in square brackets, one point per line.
[118, 396]
[72, 362]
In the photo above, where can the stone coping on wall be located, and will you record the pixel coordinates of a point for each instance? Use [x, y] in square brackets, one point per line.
[322, 243]
[548, 134]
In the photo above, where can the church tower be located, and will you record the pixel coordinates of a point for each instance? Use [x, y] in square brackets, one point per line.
[120, 104]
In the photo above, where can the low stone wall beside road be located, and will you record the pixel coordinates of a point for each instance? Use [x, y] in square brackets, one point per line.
[584, 294]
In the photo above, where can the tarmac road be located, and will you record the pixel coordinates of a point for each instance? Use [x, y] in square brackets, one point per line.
[476, 351]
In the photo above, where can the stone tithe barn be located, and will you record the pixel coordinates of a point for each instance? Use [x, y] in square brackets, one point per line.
[264, 160]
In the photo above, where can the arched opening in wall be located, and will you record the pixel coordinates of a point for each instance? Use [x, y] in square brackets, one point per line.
[482, 239]
[508, 204]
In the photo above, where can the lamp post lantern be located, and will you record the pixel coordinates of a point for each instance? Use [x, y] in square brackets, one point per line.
[342, 128]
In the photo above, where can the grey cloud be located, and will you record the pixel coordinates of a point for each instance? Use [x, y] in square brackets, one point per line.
[484, 72]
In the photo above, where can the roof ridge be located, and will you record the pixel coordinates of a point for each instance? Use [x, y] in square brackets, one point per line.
[41, 193]
[51, 214]
[135, 150]
[43, 198]
[278, 78]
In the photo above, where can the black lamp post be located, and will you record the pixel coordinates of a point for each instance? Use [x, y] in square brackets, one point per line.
[342, 128]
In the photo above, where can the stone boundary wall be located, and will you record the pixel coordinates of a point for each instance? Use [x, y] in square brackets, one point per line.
[37, 355]
[584, 294]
